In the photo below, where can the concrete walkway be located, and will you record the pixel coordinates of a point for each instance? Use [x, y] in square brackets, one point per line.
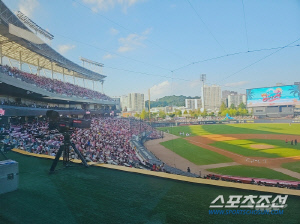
[288, 172]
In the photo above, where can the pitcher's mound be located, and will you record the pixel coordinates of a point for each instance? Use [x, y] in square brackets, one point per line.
[261, 146]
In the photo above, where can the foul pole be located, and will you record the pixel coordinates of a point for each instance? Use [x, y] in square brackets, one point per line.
[203, 79]
[149, 105]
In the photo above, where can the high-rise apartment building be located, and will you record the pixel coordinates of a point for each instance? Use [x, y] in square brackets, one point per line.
[124, 102]
[212, 97]
[225, 94]
[193, 104]
[133, 102]
[236, 99]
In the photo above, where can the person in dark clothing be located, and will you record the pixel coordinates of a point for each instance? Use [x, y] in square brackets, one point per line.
[188, 170]
[292, 142]
[296, 141]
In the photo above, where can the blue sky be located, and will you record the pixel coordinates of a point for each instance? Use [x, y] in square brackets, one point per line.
[140, 42]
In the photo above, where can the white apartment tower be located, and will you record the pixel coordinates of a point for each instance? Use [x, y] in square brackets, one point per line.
[124, 102]
[212, 97]
[193, 104]
[236, 99]
[136, 102]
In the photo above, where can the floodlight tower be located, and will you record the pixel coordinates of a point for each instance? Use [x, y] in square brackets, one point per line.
[203, 79]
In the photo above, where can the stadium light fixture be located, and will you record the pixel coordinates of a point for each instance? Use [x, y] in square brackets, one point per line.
[34, 26]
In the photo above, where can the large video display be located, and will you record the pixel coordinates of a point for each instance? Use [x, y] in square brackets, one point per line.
[274, 96]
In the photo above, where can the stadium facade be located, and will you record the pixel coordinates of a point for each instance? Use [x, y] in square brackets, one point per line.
[50, 79]
[274, 102]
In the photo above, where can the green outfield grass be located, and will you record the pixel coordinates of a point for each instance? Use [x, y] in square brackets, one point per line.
[193, 153]
[196, 130]
[99, 195]
[243, 147]
[251, 171]
[287, 129]
[294, 166]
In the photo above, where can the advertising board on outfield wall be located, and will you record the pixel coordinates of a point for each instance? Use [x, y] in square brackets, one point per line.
[273, 96]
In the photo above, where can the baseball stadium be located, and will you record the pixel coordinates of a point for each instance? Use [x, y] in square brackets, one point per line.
[66, 157]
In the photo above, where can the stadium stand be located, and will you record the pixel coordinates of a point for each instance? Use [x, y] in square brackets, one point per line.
[107, 141]
[52, 85]
[25, 94]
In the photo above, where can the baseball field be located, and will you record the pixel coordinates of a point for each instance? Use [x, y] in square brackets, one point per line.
[249, 150]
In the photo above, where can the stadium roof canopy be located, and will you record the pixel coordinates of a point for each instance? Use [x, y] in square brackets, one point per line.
[35, 53]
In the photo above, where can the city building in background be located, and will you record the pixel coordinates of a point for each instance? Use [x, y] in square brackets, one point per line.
[236, 99]
[225, 94]
[136, 101]
[193, 104]
[212, 97]
[124, 102]
[133, 102]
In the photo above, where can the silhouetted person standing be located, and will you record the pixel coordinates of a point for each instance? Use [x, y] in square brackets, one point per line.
[296, 141]
[292, 142]
[188, 170]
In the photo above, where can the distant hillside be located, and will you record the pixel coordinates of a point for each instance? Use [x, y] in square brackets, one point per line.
[170, 101]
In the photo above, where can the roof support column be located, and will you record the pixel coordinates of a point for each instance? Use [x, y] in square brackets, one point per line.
[20, 60]
[73, 77]
[93, 85]
[1, 54]
[102, 86]
[30, 68]
[10, 62]
[52, 69]
[38, 67]
[83, 82]
[64, 74]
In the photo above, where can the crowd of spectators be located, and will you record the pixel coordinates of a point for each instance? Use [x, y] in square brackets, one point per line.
[106, 141]
[35, 105]
[53, 85]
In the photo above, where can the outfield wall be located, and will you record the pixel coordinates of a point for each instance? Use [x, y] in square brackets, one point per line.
[169, 124]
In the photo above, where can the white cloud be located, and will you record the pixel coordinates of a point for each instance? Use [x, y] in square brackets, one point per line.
[195, 83]
[62, 49]
[160, 90]
[236, 84]
[123, 49]
[109, 4]
[147, 31]
[108, 56]
[113, 31]
[132, 41]
[27, 7]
